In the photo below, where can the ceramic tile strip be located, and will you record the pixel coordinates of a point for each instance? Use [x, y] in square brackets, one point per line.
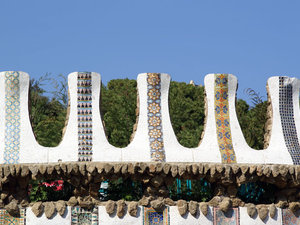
[84, 216]
[152, 217]
[289, 218]
[286, 111]
[223, 119]
[7, 219]
[231, 217]
[12, 118]
[155, 130]
[84, 113]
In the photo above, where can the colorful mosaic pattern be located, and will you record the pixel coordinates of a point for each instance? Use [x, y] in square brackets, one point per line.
[6, 219]
[154, 118]
[12, 117]
[151, 217]
[222, 119]
[289, 218]
[231, 217]
[80, 216]
[286, 111]
[84, 112]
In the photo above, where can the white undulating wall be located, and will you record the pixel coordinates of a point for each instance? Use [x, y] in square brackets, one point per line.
[175, 218]
[139, 149]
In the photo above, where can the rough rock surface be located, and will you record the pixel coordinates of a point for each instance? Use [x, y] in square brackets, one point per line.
[133, 209]
[225, 204]
[157, 204]
[37, 208]
[262, 212]
[72, 201]
[204, 208]
[182, 207]
[121, 208]
[110, 207]
[61, 207]
[13, 208]
[272, 210]
[193, 207]
[49, 209]
[251, 210]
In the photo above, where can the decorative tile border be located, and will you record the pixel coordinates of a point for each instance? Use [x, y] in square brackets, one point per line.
[223, 119]
[286, 110]
[84, 113]
[7, 219]
[154, 118]
[231, 217]
[289, 218]
[151, 217]
[12, 118]
[80, 216]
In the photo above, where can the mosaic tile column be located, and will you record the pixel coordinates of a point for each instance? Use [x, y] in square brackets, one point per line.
[231, 217]
[223, 119]
[151, 217]
[7, 219]
[155, 131]
[286, 110]
[84, 216]
[84, 113]
[12, 118]
[289, 218]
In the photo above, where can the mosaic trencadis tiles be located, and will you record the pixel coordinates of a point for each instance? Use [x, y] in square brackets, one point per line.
[154, 118]
[151, 217]
[286, 111]
[289, 218]
[231, 217]
[6, 219]
[223, 119]
[80, 216]
[12, 117]
[84, 113]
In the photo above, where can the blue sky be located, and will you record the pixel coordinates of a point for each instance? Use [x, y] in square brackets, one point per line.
[187, 39]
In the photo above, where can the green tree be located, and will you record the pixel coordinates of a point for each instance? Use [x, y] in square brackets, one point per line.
[186, 103]
[119, 110]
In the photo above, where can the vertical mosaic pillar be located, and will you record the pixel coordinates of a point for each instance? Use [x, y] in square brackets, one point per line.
[84, 113]
[286, 110]
[289, 218]
[84, 216]
[223, 119]
[12, 118]
[231, 217]
[151, 217]
[5, 218]
[155, 131]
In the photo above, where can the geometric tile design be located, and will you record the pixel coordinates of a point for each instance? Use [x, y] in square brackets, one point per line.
[286, 111]
[154, 118]
[231, 217]
[222, 119]
[289, 218]
[84, 113]
[12, 118]
[7, 219]
[80, 216]
[151, 217]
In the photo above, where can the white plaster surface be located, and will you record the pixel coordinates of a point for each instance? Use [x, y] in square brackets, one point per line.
[106, 219]
[246, 219]
[31, 219]
[188, 219]
[139, 148]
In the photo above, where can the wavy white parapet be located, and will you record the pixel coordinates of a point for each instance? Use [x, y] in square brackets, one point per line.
[154, 139]
[170, 216]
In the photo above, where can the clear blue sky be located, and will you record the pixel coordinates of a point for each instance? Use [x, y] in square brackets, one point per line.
[187, 39]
